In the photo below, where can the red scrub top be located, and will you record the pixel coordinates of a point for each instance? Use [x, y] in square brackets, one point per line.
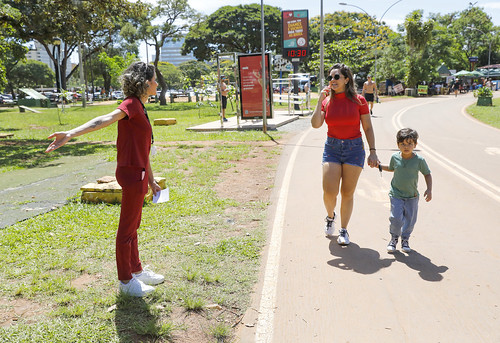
[134, 135]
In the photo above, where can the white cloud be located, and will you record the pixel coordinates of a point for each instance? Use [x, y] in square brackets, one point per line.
[493, 5]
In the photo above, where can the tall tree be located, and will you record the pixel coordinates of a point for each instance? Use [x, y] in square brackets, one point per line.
[32, 74]
[78, 21]
[234, 29]
[418, 34]
[174, 17]
[349, 37]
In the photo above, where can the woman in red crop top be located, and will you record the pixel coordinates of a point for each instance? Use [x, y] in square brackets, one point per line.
[133, 171]
[344, 111]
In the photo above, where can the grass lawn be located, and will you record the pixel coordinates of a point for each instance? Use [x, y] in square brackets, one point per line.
[58, 269]
[487, 114]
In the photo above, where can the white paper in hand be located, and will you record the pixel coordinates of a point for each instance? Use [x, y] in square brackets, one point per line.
[161, 196]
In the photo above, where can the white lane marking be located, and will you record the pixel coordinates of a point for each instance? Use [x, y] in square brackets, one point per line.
[474, 180]
[492, 151]
[264, 330]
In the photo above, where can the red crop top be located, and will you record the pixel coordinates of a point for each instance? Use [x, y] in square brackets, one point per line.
[343, 116]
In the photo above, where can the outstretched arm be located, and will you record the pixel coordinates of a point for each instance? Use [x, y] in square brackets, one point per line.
[61, 138]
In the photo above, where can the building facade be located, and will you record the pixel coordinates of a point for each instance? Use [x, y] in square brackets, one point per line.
[171, 52]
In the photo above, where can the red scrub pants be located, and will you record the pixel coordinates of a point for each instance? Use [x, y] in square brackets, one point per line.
[133, 181]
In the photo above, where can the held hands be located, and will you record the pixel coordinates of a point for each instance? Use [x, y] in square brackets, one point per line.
[373, 161]
[60, 138]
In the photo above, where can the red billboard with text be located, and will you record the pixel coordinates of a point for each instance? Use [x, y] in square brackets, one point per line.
[250, 68]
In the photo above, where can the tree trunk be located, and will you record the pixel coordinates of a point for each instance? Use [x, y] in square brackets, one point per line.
[159, 77]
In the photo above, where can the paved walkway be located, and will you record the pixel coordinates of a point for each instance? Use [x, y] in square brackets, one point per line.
[280, 118]
[446, 290]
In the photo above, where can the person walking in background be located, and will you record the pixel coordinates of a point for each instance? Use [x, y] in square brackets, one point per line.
[370, 92]
[343, 158]
[133, 171]
[404, 188]
[224, 91]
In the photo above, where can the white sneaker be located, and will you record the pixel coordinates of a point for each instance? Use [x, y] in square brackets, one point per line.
[149, 277]
[330, 225]
[135, 288]
[343, 237]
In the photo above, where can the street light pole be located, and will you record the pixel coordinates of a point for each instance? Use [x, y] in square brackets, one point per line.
[376, 29]
[321, 50]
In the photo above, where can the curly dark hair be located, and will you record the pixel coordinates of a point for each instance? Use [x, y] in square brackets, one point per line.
[134, 79]
[407, 134]
[350, 90]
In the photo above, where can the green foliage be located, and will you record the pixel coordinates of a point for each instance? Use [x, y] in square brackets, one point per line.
[418, 34]
[234, 29]
[483, 92]
[349, 37]
[31, 74]
[115, 65]
[173, 76]
[193, 71]
[89, 21]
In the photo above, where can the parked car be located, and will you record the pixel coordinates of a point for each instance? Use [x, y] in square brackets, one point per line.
[117, 95]
[6, 99]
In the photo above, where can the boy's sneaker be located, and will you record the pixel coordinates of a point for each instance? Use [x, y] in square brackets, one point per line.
[330, 225]
[405, 246]
[391, 247]
[343, 237]
[149, 277]
[135, 288]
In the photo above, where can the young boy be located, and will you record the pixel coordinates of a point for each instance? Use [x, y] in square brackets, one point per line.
[404, 193]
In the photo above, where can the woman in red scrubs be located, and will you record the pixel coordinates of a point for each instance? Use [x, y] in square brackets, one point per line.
[133, 171]
[344, 111]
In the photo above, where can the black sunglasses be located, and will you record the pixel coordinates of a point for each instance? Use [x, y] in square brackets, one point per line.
[336, 77]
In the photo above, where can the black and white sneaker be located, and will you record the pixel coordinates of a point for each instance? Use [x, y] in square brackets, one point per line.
[330, 225]
[343, 238]
[391, 247]
[405, 246]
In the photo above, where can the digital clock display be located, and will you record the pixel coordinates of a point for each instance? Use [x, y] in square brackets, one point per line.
[296, 53]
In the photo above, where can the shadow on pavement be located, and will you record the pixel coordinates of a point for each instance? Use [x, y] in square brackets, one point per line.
[427, 270]
[357, 259]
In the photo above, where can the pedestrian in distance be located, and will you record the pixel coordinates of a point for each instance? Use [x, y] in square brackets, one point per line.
[370, 92]
[404, 194]
[133, 171]
[224, 91]
[344, 111]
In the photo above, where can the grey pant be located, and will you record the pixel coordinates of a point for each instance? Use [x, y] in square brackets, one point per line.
[403, 216]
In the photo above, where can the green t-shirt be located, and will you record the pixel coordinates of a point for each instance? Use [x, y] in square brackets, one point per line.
[404, 183]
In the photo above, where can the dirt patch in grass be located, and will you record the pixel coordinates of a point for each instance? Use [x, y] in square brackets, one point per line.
[11, 311]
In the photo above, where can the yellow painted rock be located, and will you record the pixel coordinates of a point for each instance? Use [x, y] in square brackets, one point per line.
[165, 121]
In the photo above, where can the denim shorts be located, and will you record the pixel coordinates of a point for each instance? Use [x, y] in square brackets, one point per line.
[348, 151]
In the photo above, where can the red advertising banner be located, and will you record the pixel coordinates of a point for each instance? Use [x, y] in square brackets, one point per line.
[251, 86]
[295, 34]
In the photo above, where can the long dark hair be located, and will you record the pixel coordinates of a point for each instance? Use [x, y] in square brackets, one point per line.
[350, 90]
